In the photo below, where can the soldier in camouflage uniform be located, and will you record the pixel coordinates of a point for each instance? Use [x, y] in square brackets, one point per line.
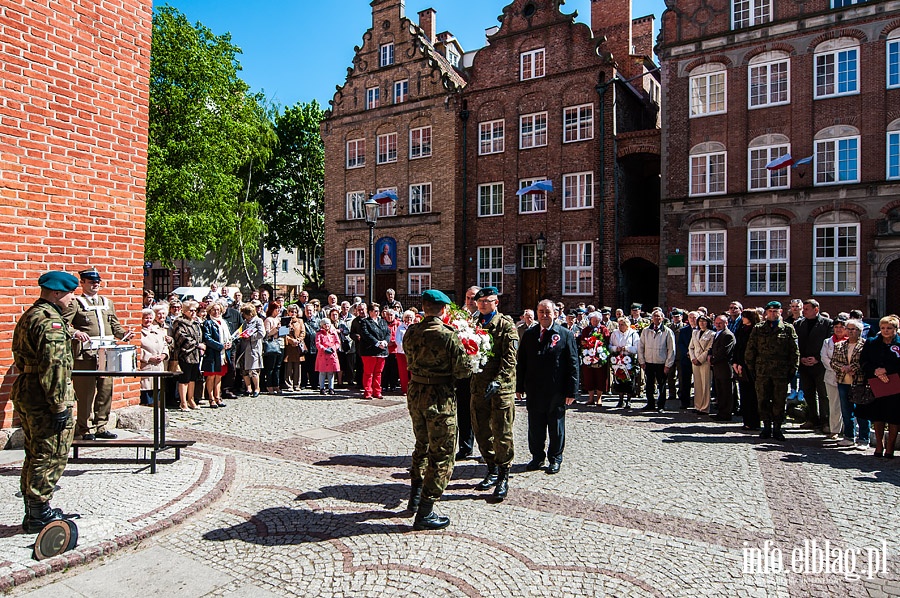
[435, 360]
[773, 357]
[42, 395]
[494, 394]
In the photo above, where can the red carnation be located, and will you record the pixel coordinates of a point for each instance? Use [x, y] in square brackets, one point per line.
[470, 346]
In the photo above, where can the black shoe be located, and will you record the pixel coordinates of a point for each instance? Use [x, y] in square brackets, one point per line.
[489, 481]
[88, 436]
[415, 497]
[502, 487]
[620, 404]
[213, 406]
[37, 515]
[777, 434]
[766, 431]
[553, 467]
[462, 455]
[426, 518]
[106, 435]
[535, 464]
[648, 407]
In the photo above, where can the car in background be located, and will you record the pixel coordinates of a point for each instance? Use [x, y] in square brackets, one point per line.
[198, 293]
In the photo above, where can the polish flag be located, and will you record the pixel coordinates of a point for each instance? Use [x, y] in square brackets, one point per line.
[779, 163]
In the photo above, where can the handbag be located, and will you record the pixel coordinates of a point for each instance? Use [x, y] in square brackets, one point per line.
[861, 393]
[271, 345]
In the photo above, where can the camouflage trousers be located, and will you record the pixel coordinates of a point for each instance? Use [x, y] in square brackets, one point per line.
[46, 454]
[433, 417]
[492, 422]
[771, 395]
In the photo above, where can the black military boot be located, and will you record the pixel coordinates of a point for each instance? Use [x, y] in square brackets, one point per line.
[426, 518]
[777, 434]
[489, 481]
[502, 488]
[415, 496]
[766, 431]
[38, 514]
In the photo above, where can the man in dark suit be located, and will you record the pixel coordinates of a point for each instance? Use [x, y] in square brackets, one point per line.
[547, 371]
[812, 332]
[720, 359]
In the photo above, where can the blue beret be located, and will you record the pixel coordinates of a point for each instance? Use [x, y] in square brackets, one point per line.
[773, 305]
[58, 281]
[486, 291]
[436, 296]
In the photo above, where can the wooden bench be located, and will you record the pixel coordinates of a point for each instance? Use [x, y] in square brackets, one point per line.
[138, 442]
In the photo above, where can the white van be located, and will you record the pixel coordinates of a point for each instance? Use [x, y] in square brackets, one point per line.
[196, 293]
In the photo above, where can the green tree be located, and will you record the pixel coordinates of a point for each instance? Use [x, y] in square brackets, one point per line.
[291, 191]
[207, 133]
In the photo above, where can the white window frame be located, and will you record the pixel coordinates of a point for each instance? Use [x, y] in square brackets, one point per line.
[386, 54]
[355, 258]
[355, 209]
[577, 268]
[757, 13]
[355, 284]
[830, 152]
[357, 149]
[707, 161]
[420, 255]
[769, 254]
[825, 265]
[893, 159]
[578, 191]
[532, 203]
[420, 142]
[420, 198]
[892, 59]
[773, 71]
[532, 64]
[578, 123]
[373, 97]
[386, 148]
[453, 57]
[401, 91]
[845, 3]
[828, 59]
[762, 151]
[490, 266]
[387, 209]
[495, 199]
[490, 137]
[418, 282]
[707, 79]
[703, 243]
[536, 135]
[529, 256]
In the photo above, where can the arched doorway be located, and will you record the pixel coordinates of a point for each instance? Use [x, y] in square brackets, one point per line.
[892, 290]
[640, 283]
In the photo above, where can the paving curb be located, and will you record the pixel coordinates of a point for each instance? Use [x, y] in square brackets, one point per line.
[88, 554]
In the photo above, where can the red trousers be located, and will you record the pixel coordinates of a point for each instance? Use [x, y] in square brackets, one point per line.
[372, 367]
[404, 373]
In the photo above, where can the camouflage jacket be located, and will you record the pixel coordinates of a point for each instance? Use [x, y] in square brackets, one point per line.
[433, 350]
[773, 352]
[502, 365]
[42, 351]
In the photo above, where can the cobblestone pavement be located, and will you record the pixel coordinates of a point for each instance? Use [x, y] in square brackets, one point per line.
[315, 490]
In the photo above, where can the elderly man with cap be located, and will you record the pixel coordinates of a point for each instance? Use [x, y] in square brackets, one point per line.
[493, 394]
[772, 356]
[42, 395]
[435, 360]
[94, 315]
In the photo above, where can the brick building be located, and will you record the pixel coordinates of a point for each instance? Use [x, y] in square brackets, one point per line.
[747, 82]
[392, 126]
[546, 98]
[73, 153]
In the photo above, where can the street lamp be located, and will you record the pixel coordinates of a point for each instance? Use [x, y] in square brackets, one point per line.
[371, 207]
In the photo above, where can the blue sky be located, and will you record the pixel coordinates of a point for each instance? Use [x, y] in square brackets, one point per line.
[299, 50]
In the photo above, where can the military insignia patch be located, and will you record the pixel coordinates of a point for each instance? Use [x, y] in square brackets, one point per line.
[515, 344]
[56, 325]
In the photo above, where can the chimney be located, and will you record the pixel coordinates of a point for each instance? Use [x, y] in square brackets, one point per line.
[427, 23]
[612, 18]
[642, 35]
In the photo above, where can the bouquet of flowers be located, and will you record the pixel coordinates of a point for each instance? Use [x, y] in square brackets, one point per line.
[593, 351]
[641, 324]
[623, 373]
[475, 339]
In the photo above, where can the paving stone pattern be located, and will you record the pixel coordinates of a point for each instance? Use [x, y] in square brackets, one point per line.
[315, 491]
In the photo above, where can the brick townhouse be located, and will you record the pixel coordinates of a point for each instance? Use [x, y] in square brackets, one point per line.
[746, 82]
[546, 99]
[73, 155]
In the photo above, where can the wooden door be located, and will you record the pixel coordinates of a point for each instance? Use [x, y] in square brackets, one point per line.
[530, 290]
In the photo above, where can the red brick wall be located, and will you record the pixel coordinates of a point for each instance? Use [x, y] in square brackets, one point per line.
[73, 154]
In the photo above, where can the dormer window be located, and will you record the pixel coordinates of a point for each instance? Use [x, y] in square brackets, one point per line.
[452, 57]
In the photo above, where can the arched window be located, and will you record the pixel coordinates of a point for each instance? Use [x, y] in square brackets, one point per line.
[768, 77]
[893, 150]
[837, 155]
[706, 258]
[836, 254]
[768, 256]
[836, 67]
[707, 87]
[893, 58]
[764, 150]
[707, 168]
